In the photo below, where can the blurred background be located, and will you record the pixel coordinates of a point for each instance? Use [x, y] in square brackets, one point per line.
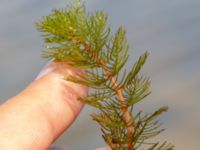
[169, 30]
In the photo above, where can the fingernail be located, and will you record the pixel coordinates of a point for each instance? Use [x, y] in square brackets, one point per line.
[45, 70]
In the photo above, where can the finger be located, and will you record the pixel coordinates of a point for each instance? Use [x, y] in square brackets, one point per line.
[38, 115]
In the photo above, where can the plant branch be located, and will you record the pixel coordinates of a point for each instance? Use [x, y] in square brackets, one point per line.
[124, 107]
[84, 40]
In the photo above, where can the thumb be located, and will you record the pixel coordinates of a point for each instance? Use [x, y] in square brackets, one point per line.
[45, 109]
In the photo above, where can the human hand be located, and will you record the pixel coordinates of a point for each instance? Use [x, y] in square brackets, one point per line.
[38, 115]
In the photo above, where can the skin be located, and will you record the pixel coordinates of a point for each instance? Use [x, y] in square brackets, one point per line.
[39, 114]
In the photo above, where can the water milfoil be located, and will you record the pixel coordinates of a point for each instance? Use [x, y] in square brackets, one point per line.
[84, 40]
